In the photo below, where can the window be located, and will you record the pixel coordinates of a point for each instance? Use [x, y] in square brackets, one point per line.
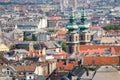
[70, 49]
[30, 73]
[30, 77]
[87, 37]
[76, 49]
[82, 37]
[76, 38]
[8, 72]
[70, 38]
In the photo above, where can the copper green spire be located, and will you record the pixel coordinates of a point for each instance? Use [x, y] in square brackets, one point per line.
[83, 17]
[84, 26]
[72, 26]
[72, 17]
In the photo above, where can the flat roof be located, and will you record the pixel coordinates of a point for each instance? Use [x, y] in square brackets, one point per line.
[107, 76]
[107, 73]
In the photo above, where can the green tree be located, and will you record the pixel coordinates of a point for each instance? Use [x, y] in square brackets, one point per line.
[52, 30]
[63, 45]
[34, 38]
[27, 39]
[112, 27]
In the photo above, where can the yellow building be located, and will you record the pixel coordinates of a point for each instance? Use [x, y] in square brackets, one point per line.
[4, 47]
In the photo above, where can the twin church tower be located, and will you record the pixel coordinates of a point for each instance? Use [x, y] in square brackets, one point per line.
[77, 34]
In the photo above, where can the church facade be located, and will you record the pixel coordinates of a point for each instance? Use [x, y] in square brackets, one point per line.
[77, 34]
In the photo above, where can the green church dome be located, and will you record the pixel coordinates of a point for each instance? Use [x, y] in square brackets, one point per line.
[83, 27]
[72, 25]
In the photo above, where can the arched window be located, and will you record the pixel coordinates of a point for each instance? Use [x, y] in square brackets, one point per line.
[70, 38]
[70, 49]
[76, 38]
[82, 37]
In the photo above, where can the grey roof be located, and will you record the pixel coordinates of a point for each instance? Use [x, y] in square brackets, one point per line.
[77, 71]
[65, 78]
[57, 45]
[50, 44]
[21, 51]
[25, 42]
[106, 69]
[48, 51]
[41, 78]
[107, 76]
[34, 26]
[38, 46]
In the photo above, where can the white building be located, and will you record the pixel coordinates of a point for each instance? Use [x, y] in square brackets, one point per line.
[42, 23]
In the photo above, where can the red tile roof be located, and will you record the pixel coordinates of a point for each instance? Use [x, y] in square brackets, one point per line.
[54, 18]
[66, 67]
[101, 60]
[98, 49]
[95, 28]
[61, 55]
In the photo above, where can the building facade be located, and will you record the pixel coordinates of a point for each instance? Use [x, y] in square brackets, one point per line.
[72, 36]
[77, 34]
[85, 36]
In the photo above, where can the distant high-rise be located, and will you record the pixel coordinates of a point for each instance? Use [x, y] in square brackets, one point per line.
[63, 5]
[42, 23]
[72, 3]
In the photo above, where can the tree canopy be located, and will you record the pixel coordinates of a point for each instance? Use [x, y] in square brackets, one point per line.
[112, 27]
[52, 30]
[63, 45]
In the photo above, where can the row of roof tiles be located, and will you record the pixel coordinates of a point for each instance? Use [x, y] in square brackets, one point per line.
[99, 49]
[101, 60]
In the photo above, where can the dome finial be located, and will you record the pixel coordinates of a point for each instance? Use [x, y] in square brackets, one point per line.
[72, 17]
[83, 16]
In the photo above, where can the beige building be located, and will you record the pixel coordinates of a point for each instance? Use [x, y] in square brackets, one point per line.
[4, 47]
[45, 68]
[108, 40]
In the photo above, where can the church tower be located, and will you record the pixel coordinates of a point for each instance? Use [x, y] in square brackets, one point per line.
[72, 36]
[85, 36]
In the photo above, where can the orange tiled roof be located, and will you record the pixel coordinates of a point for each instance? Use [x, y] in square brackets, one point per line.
[62, 32]
[99, 48]
[101, 60]
[54, 17]
[67, 67]
[95, 28]
[63, 52]
[100, 51]
[29, 68]
[62, 55]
